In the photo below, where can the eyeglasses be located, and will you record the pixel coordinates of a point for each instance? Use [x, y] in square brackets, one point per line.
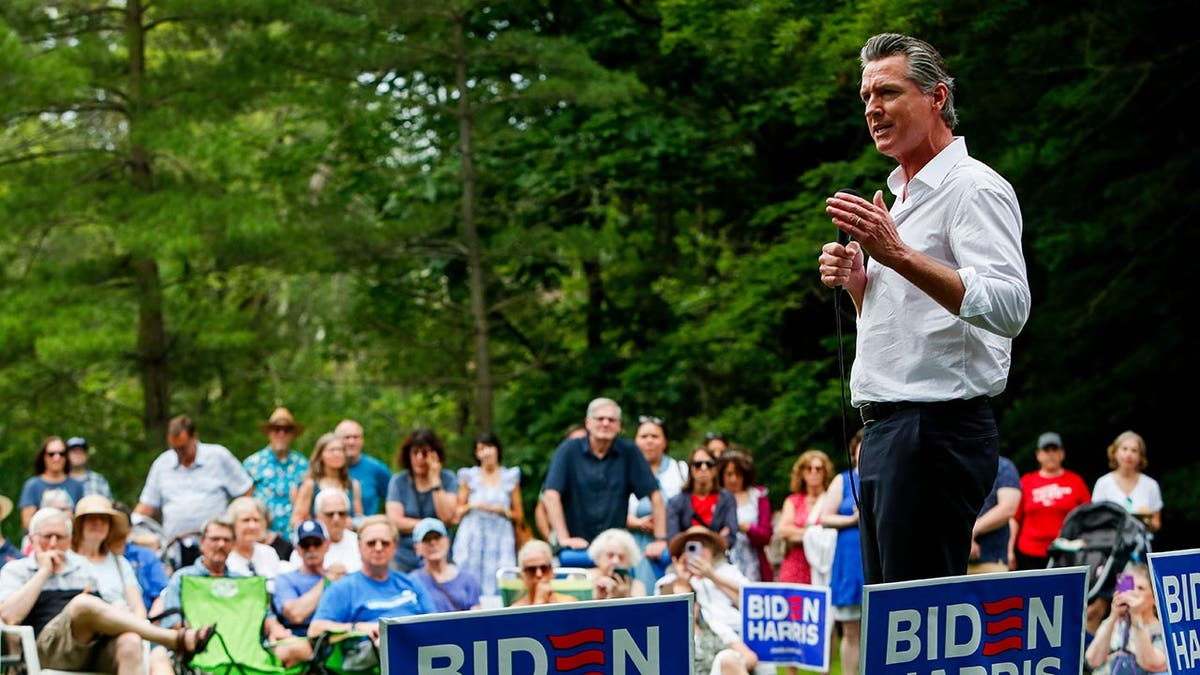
[333, 514]
[537, 570]
[643, 419]
[377, 543]
[311, 543]
[703, 464]
[606, 418]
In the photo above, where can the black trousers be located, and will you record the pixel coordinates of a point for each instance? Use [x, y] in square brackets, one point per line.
[925, 471]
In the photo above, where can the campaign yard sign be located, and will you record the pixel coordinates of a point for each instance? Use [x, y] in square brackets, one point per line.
[636, 636]
[1176, 579]
[787, 624]
[1008, 623]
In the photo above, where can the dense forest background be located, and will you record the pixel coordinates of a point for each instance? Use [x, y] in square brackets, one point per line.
[478, 215]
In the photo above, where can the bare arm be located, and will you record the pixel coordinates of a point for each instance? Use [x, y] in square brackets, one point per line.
[299, 609]
[301, 510]
[15, 607]
[832, 500]
[787, 528]
[994, 518]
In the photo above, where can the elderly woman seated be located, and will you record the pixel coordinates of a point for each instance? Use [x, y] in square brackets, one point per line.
[537, 572]
[615, 552]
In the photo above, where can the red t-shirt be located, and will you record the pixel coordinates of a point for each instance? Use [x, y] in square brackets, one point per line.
[703, 508]
[1045, 503]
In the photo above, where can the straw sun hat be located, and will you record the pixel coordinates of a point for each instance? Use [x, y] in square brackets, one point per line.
[97, 504]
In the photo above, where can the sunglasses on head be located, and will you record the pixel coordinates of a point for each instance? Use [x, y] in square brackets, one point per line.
[714, 436]
[537, 569]
[643, 419]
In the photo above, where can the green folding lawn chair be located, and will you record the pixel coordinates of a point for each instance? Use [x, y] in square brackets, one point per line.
[238, 606]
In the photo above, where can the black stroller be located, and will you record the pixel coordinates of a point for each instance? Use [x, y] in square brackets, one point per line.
[1104, 537]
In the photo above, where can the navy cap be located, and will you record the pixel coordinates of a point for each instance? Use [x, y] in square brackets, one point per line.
[311, 529]
[77, 442]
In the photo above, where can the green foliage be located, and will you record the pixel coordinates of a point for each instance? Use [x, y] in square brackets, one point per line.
[648, 199]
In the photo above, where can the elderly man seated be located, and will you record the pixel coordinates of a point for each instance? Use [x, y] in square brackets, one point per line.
[76, 630]
[357, 601]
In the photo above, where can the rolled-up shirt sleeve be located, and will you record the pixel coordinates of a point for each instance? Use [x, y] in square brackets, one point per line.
[986, 240]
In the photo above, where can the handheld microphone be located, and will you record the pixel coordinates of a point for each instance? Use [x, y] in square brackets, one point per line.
[843, 238]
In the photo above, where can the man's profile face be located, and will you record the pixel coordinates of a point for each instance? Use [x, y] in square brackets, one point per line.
[604, 423]
[901, 119]
[351, 434]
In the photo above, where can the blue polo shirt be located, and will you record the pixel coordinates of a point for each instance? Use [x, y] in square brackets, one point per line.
[595, 492]
[373, 477]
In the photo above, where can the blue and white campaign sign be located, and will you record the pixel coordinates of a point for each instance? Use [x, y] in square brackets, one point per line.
[1176, 577]
[637, 636]
[1007, 623]
[787, 624]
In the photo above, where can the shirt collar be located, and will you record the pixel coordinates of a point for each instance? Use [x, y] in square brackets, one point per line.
[933, 173]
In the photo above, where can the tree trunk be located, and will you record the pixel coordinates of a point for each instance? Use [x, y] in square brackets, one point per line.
[152, 332]
[470, 234]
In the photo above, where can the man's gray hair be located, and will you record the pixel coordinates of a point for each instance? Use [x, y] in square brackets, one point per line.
[926, 66]
[216, 521]
[329, 493]
[598, 403]
[47, 514]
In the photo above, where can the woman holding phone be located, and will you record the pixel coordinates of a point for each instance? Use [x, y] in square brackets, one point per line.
[1131, 639]
[615, 552]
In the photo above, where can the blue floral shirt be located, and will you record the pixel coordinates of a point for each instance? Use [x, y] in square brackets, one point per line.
[276, 482]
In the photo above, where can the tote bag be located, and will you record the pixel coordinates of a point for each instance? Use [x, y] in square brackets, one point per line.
[819, 544]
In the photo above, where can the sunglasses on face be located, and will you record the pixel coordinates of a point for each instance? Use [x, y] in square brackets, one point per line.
[311, 543]
[703, 464]
[537, 570]
[282, 430]
[56, 453]
[814, 468]
[378, 543]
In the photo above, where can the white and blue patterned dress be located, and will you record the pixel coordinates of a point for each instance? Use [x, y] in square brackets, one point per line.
[484, 541]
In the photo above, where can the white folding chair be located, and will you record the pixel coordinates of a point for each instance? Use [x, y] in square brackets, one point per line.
[28, 658]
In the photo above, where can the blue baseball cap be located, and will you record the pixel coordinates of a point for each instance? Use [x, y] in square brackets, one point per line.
[427, 525]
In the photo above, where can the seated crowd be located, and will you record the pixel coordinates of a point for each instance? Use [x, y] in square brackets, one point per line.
[343, 542]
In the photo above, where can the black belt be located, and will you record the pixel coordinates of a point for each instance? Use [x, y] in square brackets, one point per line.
[875, 411]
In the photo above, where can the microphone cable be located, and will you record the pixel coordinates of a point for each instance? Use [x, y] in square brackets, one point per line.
[843, 238]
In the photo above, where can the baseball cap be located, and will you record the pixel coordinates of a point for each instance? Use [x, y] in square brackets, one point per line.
[427, 525]
[77, 442]
[1049, 438]
[310, 529]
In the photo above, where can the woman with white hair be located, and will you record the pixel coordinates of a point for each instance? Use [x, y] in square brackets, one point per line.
[249, 555]
[615, 553]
